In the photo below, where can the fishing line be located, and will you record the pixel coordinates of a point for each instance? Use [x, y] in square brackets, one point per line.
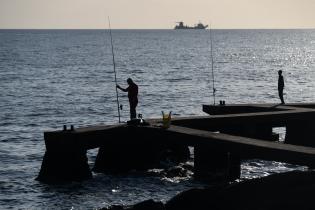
[114, 66]
[213, 80]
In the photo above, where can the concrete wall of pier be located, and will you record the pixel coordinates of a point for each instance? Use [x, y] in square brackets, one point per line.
[220, 143]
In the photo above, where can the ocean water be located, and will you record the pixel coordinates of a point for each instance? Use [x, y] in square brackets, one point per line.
[53, 77]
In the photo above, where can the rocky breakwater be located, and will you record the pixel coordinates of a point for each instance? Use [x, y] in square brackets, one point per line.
[291, 190]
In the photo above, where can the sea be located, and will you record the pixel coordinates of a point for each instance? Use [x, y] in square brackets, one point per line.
[51, 78]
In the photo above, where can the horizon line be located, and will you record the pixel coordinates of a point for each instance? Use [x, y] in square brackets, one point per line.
[306, 28]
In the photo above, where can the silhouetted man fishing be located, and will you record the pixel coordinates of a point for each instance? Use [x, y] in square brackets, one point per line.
[280, 86]
[132, 90]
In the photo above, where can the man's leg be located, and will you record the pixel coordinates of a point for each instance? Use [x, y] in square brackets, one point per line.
[281, 95]
[133, 112]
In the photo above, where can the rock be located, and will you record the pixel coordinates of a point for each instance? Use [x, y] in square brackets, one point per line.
[144, 205]
[176, 171]
[114, 207]
[187, 165]
[291, 190]
[192, 199]
[148, 205]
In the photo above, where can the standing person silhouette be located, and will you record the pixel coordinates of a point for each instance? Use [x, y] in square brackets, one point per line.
[280, 86]
[132, 90]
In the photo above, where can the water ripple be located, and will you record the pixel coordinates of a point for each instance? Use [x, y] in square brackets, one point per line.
[49, 78]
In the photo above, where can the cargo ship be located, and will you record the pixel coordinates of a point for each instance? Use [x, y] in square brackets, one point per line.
[182, 26]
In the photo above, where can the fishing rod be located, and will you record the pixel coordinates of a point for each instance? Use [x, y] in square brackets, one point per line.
[211, 53]
[114, 65]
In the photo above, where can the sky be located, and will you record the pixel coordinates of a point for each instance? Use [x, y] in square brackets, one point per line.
[155, 14]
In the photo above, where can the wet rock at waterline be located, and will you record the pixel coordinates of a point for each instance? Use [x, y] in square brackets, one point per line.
[291, 190]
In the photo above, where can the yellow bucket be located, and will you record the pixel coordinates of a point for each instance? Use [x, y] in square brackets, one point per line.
[166, 119]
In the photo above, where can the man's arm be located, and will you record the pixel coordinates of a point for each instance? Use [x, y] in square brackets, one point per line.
[120, 88]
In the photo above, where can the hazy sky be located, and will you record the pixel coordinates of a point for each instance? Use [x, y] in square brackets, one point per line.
[156, 13]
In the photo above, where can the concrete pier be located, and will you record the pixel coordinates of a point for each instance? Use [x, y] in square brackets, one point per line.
[231, 133]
